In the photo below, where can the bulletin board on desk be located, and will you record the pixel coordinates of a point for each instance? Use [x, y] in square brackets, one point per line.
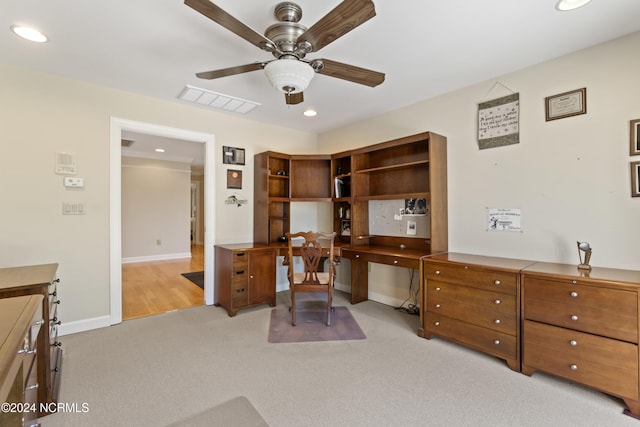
[392, 218]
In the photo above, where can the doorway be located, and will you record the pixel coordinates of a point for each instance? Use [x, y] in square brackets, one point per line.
[117, 128]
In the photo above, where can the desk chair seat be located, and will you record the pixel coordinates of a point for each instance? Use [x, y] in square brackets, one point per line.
[316, 246]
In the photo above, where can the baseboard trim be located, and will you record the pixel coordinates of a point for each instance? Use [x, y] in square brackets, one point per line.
[162, 257]
[68, 328]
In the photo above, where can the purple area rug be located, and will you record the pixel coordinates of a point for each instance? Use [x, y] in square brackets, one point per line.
[311, 326]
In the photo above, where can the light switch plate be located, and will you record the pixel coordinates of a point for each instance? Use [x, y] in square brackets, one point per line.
[73, 182]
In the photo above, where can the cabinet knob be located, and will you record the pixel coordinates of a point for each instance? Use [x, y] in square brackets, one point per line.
[497, 301]
[496, 342]
[437, 272]
[437, 305]
[574, 317]
[357, 256]
[496, 282]
[395, 261]
[574, 282]
[574, 367]
[497, 321]
[574, 294]
[55, 302]
[437, 323]
[573, 343]
[438, 289]
[54, 293]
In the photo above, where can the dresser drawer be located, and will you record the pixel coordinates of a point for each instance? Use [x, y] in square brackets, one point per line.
[491, 310]
[606, 364]
[483, 339]
[499, 281]
[240, 260]
[608, 312]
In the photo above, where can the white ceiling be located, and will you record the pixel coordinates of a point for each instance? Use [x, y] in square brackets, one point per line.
[425, 47]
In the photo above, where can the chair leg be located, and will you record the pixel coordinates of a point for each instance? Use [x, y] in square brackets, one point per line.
[329, 307]
[293, 308]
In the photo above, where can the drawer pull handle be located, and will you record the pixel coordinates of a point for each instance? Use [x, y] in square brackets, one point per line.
[496, 342]
[574, 317]
[31, 387]
[58, 322]
[240, 290]
[497, 321]
[437, 305]
[240, 254]
[497, 282]
[240, 272]
[574, 282]
[573, 343]
[497, 301]
[56, 344]
[574, 367]
[438, 289]
[395, 261]
[55, 302]
[357, 256]
[38, 322]
[574, 294]
[437, 272]
[437, 323]
[54, 293]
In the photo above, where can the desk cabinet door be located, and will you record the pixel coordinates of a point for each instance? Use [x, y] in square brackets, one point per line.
[262, 276]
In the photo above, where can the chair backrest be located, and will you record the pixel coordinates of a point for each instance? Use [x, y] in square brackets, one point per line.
[312, 251]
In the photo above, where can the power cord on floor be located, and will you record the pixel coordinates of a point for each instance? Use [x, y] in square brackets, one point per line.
[411, 307]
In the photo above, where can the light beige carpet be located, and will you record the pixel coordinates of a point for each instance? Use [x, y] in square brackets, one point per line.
[237, 412]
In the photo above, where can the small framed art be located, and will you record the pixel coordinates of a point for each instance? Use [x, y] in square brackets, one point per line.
[566, 104]
[635, 179]
[234, 178]
[634, 135]
[232, 156]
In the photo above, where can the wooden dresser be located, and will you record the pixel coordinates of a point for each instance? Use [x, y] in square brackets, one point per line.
[245, 276]
[40, 280]
[474, 300]
[20, 324]
[583, 326]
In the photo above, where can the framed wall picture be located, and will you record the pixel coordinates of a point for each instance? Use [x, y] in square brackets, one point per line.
[232, 155]
[634, 135]
[635, 179]
[566, 104]
[234, 178]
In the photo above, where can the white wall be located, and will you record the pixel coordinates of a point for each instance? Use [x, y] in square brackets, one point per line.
[156, 204]
[41, 114]
[570, 177]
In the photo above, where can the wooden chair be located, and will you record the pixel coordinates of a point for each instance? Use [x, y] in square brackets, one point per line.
[313, 278]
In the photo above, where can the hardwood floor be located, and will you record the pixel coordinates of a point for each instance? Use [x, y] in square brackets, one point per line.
[158, 286]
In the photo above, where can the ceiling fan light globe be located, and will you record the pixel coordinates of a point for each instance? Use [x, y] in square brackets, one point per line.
[289, 75]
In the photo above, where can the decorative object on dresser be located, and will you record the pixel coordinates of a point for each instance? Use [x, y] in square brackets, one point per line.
[584, 247]
[583, 326]
[40, 280]
[245, 276]
[474, 300]
[20, 324]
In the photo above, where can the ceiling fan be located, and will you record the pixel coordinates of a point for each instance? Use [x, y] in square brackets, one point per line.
[290, 42]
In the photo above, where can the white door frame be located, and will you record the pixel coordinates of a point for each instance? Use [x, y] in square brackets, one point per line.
[118, 125]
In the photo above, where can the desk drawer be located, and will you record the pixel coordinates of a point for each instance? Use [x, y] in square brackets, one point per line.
[499, 281]
[483, 339]
[383, 259]
[601, 311]
[606, 364]
[490, 310]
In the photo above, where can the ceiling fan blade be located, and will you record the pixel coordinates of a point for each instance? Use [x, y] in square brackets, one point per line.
[351, 73]
[216, 14]
[215, 74]
[294, 98]
[343, 18]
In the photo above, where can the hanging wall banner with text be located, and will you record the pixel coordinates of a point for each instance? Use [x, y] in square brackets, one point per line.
[498, 122]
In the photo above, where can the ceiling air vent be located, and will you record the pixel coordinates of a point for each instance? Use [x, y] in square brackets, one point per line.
[216, 100]
[127, 142]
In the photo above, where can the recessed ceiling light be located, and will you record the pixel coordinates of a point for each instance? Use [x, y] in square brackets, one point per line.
[310, 113]
[29, 33]
[564, 5]
[159, 150]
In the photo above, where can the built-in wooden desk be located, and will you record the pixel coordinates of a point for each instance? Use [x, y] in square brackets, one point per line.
[360, 256]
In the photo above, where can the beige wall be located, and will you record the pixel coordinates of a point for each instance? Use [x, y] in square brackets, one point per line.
[570, 177]
[42, 114]
[156, 204]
